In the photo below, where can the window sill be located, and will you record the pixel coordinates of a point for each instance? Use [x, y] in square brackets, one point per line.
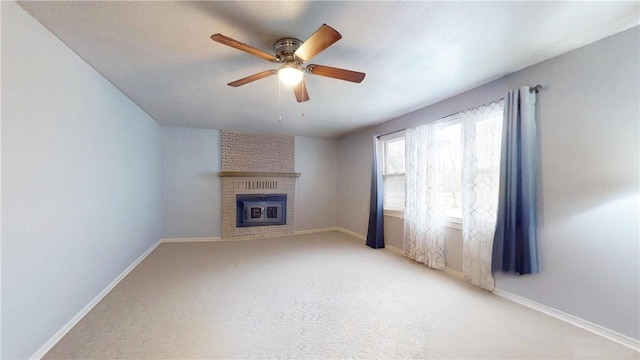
[450, 222]
[393, 213]
[453, 222]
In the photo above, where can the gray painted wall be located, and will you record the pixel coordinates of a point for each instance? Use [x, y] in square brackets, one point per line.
[354, 181]
[81, 183]
[393, 231]
[192, 190]
[589, 226]
[316, 160]
[453, 248]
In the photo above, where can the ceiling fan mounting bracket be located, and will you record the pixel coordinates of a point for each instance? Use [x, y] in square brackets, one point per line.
[285, 48]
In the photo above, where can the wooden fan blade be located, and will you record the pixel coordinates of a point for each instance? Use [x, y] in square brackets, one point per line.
[254, 77]
[300, 91]
[243, 47]
[336, 73]
[324, 37]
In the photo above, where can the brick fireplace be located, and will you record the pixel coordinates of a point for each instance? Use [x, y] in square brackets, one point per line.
[257, 165]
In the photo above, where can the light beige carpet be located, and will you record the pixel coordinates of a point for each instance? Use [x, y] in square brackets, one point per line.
[312, 296]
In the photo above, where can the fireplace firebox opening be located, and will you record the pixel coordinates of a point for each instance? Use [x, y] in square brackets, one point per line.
[261, 209]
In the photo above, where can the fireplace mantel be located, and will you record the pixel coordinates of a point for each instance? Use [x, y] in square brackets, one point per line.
[257, 174]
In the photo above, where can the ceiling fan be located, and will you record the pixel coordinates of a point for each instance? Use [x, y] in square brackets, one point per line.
[292, 54]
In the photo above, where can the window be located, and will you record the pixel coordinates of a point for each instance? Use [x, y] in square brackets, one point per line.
[450, 139]
[488, 129]
[488, 146]
[393, 154]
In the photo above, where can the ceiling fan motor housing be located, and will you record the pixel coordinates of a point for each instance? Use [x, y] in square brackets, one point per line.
[285, 48]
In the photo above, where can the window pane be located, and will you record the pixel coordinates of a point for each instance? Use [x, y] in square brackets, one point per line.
[394, 192]
[488, 137]
[488, 142]
[394, 156]
[450, 140]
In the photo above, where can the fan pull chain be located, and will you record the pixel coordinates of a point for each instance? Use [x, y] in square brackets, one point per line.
[279, 101]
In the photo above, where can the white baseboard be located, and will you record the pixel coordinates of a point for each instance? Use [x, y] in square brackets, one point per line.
[254, 237]
[334, 228]
[314, 231]
[394, 249]
[455, 273]
[349, 232]
[194, 239]
[71, 323]
[573, 320]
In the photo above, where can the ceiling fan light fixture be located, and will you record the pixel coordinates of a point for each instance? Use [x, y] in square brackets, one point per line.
[290, 74]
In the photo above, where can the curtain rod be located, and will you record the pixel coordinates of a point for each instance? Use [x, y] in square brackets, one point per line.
[532, 89]
[389, 133]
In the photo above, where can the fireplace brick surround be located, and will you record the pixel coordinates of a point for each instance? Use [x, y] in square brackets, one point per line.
[257, 164]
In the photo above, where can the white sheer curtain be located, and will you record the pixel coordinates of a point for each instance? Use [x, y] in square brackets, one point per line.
[482, 129]
[423, 215]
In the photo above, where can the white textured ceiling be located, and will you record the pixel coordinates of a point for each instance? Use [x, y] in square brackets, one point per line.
[414, 53]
